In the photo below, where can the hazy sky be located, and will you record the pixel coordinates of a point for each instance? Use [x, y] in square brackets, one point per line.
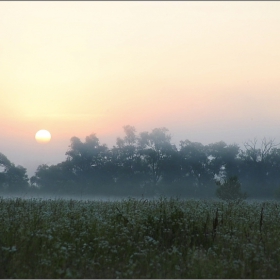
[207, 71]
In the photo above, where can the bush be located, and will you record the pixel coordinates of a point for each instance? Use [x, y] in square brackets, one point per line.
[230, 189]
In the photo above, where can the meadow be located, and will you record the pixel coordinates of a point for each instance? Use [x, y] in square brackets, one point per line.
[139, 238]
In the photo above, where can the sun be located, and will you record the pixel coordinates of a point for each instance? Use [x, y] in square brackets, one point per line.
[43, 136]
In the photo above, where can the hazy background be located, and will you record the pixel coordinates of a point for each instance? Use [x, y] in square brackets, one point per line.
[207, 71]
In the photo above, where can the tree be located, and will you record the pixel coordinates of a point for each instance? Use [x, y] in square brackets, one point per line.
[4, 162]
[12, 178]
[126, 163]
[195, 176]
[156, 150]
[223, 159]
[259, 171]
[55, 178]
[230, 189]
[17, 178]
[259, 154]
[89, 162]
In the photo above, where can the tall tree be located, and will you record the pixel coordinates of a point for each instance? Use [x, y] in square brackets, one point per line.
[259, 172]
[55, 179]
[89, 161]
[223, 159]
[155, 149]
[12, 178]
[194, 172]
[126, 163]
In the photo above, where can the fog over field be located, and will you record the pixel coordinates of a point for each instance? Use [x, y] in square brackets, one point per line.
[139, 139]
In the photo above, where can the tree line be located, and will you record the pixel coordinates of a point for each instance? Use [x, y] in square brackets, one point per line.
[149, 164]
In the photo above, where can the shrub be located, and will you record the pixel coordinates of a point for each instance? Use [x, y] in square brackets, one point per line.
[230, 189]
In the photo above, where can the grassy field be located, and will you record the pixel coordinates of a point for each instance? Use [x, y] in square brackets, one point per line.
[163, 238]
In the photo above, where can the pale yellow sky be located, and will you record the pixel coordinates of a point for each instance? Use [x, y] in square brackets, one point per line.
[208, 71]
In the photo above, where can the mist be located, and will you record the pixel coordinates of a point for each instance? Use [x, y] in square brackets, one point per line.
[148, 164]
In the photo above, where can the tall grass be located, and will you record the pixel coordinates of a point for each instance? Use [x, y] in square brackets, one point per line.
[163, 238]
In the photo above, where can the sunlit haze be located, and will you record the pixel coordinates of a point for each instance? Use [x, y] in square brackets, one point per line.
[207, 71]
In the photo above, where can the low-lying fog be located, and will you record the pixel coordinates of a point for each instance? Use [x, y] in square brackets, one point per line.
[108, 198]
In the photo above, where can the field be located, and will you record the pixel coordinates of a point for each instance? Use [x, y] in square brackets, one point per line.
[138, 238]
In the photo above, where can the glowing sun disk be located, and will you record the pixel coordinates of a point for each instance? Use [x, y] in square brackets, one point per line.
[43, 136]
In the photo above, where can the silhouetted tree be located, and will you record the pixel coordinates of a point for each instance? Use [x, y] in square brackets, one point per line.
[230, 189]
[194, 175]
[89, 161]
[12, 178]
[55, 178]
[127, 164]
[260, 168]
[223, 159]
[155, 149]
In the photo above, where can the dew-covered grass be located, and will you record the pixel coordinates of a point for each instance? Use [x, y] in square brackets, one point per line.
[138, 238]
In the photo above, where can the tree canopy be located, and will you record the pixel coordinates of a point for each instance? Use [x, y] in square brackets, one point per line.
[12, 178]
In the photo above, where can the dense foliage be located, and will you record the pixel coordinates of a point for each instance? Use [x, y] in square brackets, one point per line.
[12, 178]
[150, 239]
[148, 164]
[230, 190]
